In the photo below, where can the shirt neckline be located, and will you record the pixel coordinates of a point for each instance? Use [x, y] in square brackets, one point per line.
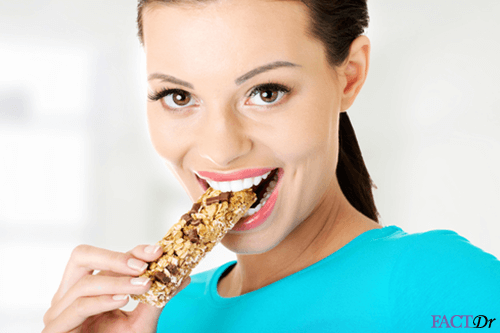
[369, 235]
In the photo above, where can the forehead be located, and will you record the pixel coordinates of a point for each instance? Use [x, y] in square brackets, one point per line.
[227, 35]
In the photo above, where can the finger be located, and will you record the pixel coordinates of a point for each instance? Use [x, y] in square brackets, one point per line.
[86, 258]
[94, 285]
[145, 314]
[107, 273]
[82, 308]
[147, 253]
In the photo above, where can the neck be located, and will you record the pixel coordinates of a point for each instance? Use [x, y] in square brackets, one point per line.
[333, 224]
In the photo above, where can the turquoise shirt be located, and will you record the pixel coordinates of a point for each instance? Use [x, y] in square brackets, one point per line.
[384, 280]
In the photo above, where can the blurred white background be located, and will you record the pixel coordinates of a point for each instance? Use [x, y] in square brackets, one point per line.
[76, 165]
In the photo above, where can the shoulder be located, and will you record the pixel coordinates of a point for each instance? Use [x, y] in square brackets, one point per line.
[441, 269]
[443, 249]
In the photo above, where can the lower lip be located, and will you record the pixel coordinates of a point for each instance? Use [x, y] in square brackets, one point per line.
[255, 220]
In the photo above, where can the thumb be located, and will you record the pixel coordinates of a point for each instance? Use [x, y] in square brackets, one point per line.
[146, 316]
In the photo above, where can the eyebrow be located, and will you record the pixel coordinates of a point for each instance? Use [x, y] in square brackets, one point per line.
[238, 81]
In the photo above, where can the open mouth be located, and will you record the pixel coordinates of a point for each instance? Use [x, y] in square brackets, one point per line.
[266, 187]
[262, 186]
[257, 184]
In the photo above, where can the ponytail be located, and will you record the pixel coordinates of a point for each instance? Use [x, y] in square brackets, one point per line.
[352, 175]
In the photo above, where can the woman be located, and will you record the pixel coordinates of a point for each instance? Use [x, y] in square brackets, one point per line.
[241, 88]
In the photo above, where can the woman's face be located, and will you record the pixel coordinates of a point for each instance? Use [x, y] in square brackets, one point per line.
[216, 123]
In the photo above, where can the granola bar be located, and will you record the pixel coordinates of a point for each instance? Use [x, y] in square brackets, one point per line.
[190, 239]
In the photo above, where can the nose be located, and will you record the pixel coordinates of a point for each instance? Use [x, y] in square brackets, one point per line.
[223, 138]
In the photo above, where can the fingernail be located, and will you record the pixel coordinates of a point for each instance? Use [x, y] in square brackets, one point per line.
[141, 281]
[152, 248]
[119, 297]
[137, 264]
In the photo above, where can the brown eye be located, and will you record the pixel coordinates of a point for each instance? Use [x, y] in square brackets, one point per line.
[174, 99]
[269, 96]
[180, 98]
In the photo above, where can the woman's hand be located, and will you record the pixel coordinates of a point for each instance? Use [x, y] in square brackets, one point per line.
[88, 302]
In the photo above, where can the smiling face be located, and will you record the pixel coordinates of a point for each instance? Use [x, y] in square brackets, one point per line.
[217, 121]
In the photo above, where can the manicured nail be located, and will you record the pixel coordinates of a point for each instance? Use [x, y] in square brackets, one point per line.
[137, 264]
[119, 297]
[142, 281]
[152, 248]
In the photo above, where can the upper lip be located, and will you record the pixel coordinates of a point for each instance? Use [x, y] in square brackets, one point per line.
[236, 175]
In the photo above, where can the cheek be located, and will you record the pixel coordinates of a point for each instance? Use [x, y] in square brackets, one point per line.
[304, 131]
[168, 140]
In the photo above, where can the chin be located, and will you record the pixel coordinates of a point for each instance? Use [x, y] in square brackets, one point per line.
[243, 245]
[248, 250]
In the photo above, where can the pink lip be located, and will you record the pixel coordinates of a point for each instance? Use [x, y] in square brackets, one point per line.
[227, 177]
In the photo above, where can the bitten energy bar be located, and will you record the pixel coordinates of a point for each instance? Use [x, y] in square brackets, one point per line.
[187, 241]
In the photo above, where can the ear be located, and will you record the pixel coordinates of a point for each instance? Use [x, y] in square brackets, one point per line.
[353, 73]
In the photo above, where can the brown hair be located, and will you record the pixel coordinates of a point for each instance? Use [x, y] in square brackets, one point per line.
[336, 23]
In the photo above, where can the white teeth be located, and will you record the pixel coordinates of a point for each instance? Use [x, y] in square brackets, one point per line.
[237, 185]
[249, 212]
[214, 185]
[263, 201]
[225, 186]
[247, 182]
[252, 211]
[257, 180]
